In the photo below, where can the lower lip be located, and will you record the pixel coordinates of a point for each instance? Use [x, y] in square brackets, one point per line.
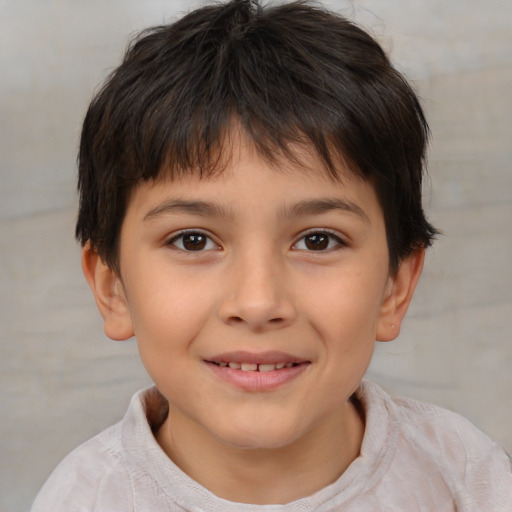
[257, 381]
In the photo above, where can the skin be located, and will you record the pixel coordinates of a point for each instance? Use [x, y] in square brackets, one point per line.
[258, 283]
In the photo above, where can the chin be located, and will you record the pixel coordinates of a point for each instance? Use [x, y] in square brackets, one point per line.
[259, 436]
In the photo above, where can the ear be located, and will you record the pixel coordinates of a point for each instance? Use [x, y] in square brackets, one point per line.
[399, 291]
[109, 294]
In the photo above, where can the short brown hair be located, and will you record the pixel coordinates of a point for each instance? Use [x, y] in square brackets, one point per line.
[287, 73]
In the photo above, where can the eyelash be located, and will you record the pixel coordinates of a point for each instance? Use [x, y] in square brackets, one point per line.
[339, 242]
[191, 232]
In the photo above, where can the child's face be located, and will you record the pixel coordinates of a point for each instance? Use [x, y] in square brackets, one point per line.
[256, 266]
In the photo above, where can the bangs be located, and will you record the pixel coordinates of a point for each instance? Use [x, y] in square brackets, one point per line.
[282, 77]
[172, 109]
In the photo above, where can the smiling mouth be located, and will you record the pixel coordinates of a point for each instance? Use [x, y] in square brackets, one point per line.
[255, 373]
[254, 367]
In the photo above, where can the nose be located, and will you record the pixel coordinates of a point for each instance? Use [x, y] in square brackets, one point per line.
[256, 293]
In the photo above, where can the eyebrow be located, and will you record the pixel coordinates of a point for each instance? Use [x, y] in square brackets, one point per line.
[300, 209]
[319, 206]
[184, 206]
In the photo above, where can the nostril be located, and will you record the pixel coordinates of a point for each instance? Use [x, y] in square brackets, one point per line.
[256, 315]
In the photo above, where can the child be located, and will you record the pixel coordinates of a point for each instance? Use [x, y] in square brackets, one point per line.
[250, 210]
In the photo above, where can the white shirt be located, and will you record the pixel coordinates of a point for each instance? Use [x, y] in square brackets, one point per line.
[414, 457]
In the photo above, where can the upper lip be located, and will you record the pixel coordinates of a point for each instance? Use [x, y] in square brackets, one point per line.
[269, 357]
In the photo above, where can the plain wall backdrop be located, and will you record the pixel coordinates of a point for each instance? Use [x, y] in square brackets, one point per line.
[62, 380]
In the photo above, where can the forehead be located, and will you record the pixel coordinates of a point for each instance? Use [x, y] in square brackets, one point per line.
[297, 183]
[236, 149]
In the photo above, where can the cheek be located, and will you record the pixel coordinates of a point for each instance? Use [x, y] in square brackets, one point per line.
[165, 329]
[346, 306]
[347, 325]
[168, 311]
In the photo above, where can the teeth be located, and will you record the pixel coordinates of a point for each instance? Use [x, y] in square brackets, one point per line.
[252, 367]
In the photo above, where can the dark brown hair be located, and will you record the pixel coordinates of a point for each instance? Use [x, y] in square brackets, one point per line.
[287, 73]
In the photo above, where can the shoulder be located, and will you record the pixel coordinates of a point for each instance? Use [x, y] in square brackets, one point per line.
[437, 427]
[448, 449]
[112, 470]
[446, 432]
[93, 477]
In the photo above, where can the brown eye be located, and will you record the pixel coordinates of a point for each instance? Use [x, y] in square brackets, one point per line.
[317, 241]
[192, 241]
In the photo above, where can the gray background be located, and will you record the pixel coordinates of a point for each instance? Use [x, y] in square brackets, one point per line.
[61, 380]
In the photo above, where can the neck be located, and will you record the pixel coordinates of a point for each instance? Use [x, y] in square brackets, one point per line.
[266, 476]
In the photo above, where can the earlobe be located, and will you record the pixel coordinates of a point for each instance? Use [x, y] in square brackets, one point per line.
[398, 295]
[108, 292]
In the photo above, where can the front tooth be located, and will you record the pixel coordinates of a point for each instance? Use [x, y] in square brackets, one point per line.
[267, 367]
[235, 366]
[279, 366]
[249, 367]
